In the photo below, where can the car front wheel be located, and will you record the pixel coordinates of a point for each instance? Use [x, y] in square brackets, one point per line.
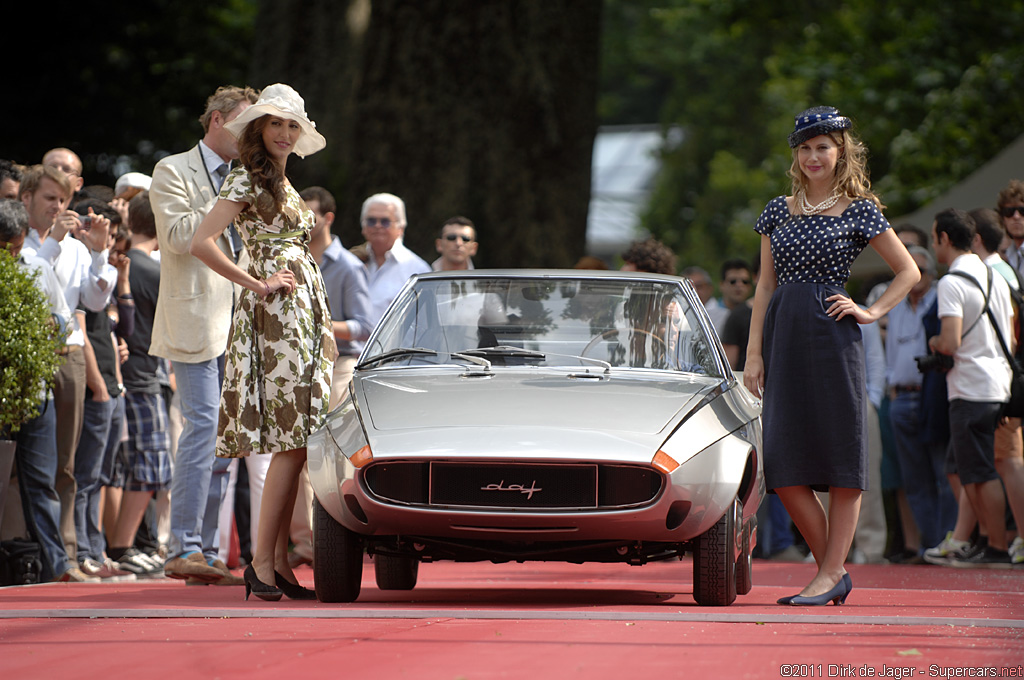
[337, 558]
[714, 565]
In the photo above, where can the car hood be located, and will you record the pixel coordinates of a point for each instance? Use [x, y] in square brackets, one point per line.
[426, 412]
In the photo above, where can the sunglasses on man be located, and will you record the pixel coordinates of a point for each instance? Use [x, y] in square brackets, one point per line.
[384, 222]
[456, 237]
[1010, 209]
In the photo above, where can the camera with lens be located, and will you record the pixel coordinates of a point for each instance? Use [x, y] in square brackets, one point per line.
[939, 363]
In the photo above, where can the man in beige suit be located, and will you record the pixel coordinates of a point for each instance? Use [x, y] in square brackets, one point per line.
[191, 326]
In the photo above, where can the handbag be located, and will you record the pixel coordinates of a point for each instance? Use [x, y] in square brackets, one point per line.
[1015, 407]
[20, 562]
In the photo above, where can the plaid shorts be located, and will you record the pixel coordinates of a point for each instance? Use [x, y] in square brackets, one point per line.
[148, 464]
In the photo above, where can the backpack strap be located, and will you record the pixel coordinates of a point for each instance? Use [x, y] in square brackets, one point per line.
[984, 294]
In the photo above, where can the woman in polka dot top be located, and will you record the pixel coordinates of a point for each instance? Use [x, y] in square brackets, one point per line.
[804, 356]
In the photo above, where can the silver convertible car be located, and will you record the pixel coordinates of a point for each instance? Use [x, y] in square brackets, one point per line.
[539, 415]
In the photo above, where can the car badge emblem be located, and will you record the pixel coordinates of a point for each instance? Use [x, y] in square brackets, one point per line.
[500, 486]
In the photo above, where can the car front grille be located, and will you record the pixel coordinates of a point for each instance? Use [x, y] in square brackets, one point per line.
[513, 486]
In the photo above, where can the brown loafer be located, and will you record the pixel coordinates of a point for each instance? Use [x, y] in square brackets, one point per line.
[227, 578]
[193, 566]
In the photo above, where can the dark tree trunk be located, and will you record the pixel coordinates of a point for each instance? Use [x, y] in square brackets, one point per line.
[484, 108]
[316, 50]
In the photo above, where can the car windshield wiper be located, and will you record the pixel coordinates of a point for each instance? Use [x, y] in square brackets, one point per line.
[504, 351]
[396, 354]
[600, 362]
[466, 356]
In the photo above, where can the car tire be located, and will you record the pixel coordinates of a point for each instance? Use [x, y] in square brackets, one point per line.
[337, 558]
[744, 565]
[394, 572]
[714, 567]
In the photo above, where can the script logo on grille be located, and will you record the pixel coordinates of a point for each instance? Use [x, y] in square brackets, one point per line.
[500, 486]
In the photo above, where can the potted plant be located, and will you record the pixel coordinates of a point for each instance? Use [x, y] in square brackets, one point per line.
[29, 344]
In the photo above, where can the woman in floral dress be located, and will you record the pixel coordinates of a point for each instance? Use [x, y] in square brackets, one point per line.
[277, 378]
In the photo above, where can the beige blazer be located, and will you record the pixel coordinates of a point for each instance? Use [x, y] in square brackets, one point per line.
[193, 310]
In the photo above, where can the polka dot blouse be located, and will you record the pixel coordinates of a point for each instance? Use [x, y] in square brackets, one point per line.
[818, 248]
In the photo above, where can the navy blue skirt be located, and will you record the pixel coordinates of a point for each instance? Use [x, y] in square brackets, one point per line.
[814, 410]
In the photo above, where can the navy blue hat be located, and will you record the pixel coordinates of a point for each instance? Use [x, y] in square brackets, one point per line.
[817, 120]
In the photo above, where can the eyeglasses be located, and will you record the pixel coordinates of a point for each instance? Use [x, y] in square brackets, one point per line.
[456, 237]
[383, 222]
[66, 169]
[1007, 211]
[733, 282]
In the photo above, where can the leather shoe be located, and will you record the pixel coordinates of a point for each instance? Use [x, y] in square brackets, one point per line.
[193, 566]
[227, 578]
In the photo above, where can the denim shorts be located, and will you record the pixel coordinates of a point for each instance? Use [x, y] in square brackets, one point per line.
[972, 431]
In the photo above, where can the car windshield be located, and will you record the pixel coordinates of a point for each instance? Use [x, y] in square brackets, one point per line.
[609, 322]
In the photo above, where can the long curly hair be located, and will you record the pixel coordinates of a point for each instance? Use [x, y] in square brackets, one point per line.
[851, 178]
[262, 169]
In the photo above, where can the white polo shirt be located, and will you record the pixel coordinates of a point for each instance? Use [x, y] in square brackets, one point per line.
[980, 371]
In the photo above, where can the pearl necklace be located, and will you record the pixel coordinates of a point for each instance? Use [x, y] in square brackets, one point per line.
[809, 209]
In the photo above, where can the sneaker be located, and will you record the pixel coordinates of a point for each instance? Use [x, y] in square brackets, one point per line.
[193, 565]
[76, 575]
[105, 571]
[944, 552]
[155, 558]
[138, 563]
[1017, 551]
[988, 558]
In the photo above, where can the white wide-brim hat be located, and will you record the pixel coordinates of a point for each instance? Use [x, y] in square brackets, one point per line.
[282, 101]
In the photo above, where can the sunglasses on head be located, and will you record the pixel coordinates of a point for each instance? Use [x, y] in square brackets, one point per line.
[385, 222]
[455, 237]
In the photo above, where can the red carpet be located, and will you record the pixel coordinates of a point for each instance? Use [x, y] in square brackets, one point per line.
[527, 621]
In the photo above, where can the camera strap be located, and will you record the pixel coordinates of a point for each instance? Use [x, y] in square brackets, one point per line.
[991, 317]
[985, 294]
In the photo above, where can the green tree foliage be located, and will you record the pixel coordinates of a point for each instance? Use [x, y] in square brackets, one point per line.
[29, 342]
[120, 83]
[933, 89]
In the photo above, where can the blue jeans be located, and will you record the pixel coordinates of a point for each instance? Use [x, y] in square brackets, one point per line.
[36, 457]
[922, 470]
[773, 526]
[200, 478]
[97, 430]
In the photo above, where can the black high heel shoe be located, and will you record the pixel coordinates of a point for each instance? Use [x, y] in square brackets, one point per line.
[293, 590]
[837, 595]
[258, 588]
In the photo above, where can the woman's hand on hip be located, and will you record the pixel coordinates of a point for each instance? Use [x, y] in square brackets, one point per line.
[843, 306]
[282, 279]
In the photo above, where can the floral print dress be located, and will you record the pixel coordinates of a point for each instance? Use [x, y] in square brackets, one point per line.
[280, 356]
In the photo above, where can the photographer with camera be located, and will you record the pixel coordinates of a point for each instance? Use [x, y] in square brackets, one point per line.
[979, 382]
[907, 357]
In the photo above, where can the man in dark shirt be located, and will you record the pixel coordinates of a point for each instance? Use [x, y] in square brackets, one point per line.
[148, 467]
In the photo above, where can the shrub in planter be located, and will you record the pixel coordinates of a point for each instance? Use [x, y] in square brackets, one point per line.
[29, 342]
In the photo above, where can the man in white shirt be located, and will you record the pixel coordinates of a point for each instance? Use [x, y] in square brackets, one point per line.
[87, 280]
[37, 439]
[979, 382]
[1009, 453]
[390, 263]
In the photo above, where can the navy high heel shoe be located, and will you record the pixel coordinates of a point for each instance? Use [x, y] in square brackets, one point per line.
[837, 595]
[254, 585]
[293, 590]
